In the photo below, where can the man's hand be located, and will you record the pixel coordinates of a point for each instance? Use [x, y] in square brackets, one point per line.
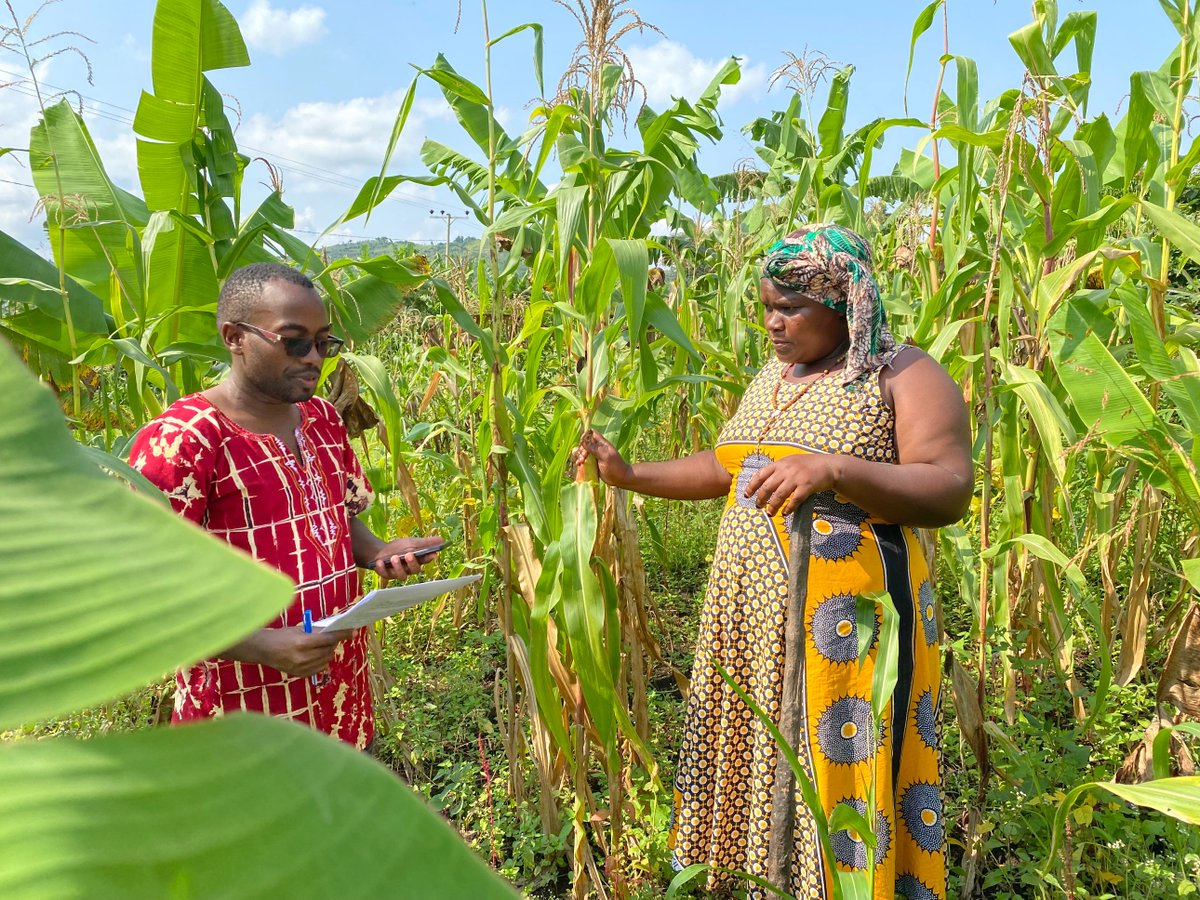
[290, 650]
[397, 558]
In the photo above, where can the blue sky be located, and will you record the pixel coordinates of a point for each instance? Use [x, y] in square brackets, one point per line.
[326, 80]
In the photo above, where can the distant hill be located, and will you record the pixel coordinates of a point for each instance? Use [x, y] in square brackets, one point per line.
[459, 246]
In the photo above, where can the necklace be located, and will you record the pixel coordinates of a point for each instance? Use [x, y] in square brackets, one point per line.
[777, 410]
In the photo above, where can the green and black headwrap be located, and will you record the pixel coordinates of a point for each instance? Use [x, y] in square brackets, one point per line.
[832, 265]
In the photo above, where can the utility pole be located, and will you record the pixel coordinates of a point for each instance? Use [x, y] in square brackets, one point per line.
[450, 218]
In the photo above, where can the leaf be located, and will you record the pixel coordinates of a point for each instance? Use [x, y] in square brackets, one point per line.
[868, 186]
[1177, 797]
[178, 264]
[633, 267]
[118, 468]
[808, 790]
[967, 95]
[991, 140]
[163, 120]
[455, 85]
[1101, 392]
[106, 817]
[1191, 571]
[1053, 426]
[1040, 547]
[376, 188]
[365, 305]
[597, 281]
[663, 318]
[465, 320]
[1162, 745]
[885, 673]
[829, 129]
[1032, 50]
[221, 44]
[1080, 25]
[73, 175]
[1181, 232]
[191, 37]
[64, 647]
[537, 50]
[568, 205]
[1136, 126]
[1180, 384]
[920, 25]
[584, 608]
[33, 280]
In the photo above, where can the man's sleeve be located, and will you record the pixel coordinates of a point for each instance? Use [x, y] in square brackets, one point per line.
[177, 458]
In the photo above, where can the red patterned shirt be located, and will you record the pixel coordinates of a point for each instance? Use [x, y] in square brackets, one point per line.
[292, 513]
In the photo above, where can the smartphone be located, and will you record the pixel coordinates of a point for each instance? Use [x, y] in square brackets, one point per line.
[421, 554]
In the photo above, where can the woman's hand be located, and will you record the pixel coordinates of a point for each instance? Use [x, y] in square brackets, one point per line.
[786, 483]
[610, 465]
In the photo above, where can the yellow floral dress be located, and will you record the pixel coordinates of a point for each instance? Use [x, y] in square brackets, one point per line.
[727, 758]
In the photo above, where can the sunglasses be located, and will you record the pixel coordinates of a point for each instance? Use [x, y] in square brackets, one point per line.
[298, 347]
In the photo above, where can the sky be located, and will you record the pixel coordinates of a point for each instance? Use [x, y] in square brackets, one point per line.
[326, 80]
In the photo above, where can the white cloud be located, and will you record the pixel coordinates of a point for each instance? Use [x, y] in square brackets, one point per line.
[346, 138]
[278, 30]
[306, 219]
[669, 69]
[18, 197]
[118, 153]
[17, 204]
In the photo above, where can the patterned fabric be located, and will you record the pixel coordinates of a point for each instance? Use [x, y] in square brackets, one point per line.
[292, 513]
[832, 265]
[727, 758]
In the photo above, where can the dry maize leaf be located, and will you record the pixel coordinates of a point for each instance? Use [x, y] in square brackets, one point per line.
[631, 577]
[524, 559]
[341, 390]
[1138, 766]
[967, 710]
[541, 745]
[429, 392]
[408, 490]
[1108, 550]
[1180, 680]
[929, 545]
[1137, 610]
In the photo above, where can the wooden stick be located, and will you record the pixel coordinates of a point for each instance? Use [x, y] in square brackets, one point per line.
[791, 721]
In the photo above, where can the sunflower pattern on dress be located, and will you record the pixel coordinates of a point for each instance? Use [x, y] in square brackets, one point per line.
[727, 758]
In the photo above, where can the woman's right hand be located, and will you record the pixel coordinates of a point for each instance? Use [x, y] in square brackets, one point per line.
[610, 465]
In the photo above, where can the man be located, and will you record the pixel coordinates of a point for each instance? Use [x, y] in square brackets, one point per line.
[261, 463]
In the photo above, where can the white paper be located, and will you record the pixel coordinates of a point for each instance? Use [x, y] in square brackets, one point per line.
[385, 602]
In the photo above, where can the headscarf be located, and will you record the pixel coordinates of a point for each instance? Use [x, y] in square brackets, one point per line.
[832, 265]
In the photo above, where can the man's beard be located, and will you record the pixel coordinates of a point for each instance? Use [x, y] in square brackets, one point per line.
[288, 387]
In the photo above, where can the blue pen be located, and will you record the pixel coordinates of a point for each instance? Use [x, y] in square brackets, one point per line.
[308, 630]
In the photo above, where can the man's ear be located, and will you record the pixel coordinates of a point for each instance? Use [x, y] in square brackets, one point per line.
[232, 337]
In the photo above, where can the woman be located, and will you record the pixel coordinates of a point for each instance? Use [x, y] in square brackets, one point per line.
[879, 433]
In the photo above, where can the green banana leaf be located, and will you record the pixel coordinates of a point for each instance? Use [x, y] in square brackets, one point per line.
[125, 594]
[93, 231]
[242, 807]
[247, 807]
[32, 280]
